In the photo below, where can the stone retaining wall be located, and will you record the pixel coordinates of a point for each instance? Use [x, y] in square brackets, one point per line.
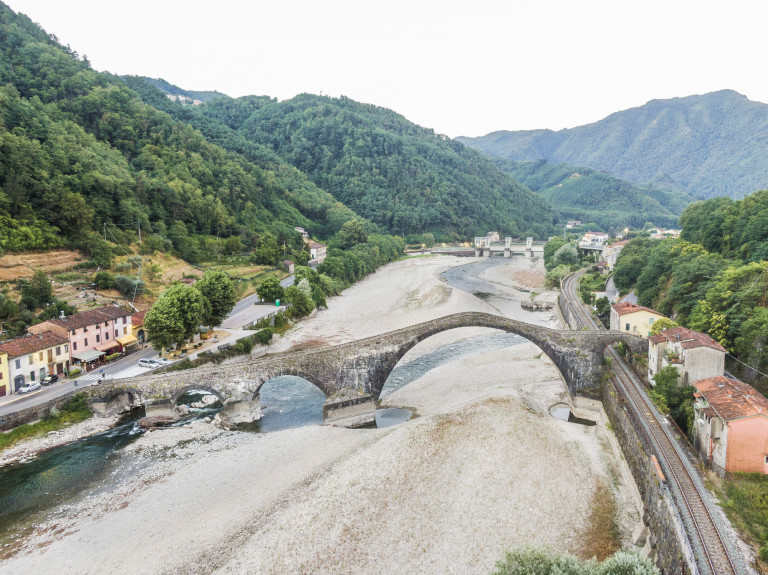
[667, 538]
[34, 413]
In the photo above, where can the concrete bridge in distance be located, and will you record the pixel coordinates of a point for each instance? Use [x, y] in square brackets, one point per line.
[361, 366]
[486, 247]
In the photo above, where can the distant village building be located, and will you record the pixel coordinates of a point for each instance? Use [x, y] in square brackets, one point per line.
[5, 375]
[694, 354]
[661, 233]
[633, 318]
[93, 333]
[493, 236]
[593, 240]
[289, 266]
[730, 428]
[317, 251]
[32, 357]
[304, 233]
[570, 224]
[611, 252]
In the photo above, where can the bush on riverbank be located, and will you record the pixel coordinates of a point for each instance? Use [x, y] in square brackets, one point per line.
[73, 411]
[242, 347]
[530, 560]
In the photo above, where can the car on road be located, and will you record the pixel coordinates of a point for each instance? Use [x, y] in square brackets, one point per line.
[49, 379]
[150, 363]
[31, 386]
[161, 361]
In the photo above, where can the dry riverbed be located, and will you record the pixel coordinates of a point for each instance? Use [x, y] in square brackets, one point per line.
[483, 468]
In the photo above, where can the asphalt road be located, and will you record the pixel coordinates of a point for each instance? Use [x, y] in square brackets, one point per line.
[127, 366]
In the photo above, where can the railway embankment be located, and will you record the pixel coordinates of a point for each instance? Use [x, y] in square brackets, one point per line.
[666, 538]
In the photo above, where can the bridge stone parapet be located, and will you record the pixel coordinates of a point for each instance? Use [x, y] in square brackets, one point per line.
[362, 365]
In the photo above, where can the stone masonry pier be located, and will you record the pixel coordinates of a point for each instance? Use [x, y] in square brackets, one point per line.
[362, 365]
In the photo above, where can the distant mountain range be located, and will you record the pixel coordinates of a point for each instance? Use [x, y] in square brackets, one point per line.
[706, 145]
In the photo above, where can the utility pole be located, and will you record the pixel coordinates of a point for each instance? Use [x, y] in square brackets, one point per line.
[105, 231]
[139, 224]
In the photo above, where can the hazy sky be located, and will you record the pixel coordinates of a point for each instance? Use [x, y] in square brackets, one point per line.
[462, 68]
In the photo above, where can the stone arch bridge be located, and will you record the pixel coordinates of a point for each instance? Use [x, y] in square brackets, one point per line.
[361, 365]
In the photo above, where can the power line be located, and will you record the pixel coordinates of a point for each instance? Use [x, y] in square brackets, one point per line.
[745, 365]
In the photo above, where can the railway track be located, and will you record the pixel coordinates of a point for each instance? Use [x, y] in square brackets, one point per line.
[711, 549]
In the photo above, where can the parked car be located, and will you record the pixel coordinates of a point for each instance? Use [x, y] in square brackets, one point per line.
[162, 361]
[49, 379]
[31, 386]
[150, 363]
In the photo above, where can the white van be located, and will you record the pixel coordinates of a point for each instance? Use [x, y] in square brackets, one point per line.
[150, 363]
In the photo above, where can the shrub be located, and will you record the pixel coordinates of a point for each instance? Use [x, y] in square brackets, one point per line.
[129, 286]
[244, 345]
[280, 321]
[112, 357]
[104, 280]
[264, 336]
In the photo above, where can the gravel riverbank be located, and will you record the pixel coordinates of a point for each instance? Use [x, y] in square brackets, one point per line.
[483, 468]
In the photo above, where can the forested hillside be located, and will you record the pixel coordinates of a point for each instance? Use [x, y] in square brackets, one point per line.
[79, 149]
[401, 176]
[590, 196]
[706, 145]
[713, 279]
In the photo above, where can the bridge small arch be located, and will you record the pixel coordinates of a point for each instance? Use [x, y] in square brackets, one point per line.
[186, 389]
[122, 400]
[292, 372]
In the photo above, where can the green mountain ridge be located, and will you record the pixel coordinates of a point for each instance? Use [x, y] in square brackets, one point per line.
[591, 196]
[704, 145]
[398, 175]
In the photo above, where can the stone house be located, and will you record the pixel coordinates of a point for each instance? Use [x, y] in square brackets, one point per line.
[32, 357]
[731, 425]
[5, 375]
[93, 333]
[137, 326]
[633, 318]
[317, 252]
[695, 355]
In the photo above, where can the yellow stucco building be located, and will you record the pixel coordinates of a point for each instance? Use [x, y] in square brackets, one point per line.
[5, 375]
[634, 319]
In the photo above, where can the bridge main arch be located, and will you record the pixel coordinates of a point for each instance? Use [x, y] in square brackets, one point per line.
[577, 354]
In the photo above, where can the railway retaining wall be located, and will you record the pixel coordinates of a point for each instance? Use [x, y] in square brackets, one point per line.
[667, 538]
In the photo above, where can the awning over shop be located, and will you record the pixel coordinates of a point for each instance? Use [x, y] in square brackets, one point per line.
[127, 340]
[107, 346]
[87, 356]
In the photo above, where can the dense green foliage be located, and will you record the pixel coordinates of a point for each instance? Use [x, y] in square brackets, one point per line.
[217, 288]
[722, 292]
[79, 149]
[176, 316]
[746, 503]
[672, 399]
[680, 143]
[401, 176]
[532, 561]
[590, 196]
[270, 289]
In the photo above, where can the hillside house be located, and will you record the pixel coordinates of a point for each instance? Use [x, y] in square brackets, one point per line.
[633, 318]
[317, 252]
[694, 354]
[5, 375]
[570, 224]
[304, 233]
[32, 357]
[731, 425]
[593, 240]
[93, 333]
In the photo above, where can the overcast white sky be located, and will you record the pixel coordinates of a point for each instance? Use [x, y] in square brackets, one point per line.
[462, 68]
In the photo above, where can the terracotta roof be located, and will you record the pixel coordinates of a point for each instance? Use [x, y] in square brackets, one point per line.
[316, 245]
[137, 318]
[90, 317]
[731, 398]
[688, 338]
[625, 307]
[31, 343]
